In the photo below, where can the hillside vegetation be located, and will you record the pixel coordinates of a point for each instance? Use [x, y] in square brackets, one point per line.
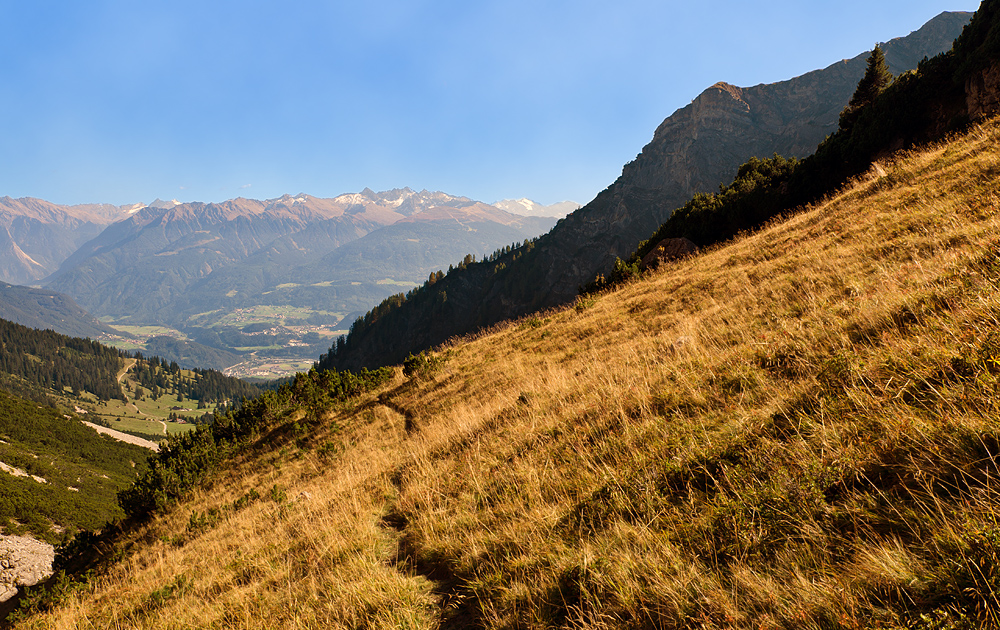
[85, 376]
[797, 429]
[59, 476]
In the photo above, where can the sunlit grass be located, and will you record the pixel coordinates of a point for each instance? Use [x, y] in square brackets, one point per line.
[795, 430]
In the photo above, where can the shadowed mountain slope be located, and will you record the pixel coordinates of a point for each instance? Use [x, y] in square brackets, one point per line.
[41, 309]
[693, 150]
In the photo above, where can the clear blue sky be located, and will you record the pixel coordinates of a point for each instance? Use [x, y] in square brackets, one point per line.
[121, 101]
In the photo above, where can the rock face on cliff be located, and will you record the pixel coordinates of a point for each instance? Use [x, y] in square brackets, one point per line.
[694, 150]
[702, 145]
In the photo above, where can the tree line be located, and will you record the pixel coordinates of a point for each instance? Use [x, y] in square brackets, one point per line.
[36, 361]
[204, 385]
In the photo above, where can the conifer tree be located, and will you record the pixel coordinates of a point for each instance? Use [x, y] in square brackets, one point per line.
[877, 78]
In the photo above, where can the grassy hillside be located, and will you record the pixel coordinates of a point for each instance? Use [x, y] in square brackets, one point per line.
[107, 385]
[798, 429]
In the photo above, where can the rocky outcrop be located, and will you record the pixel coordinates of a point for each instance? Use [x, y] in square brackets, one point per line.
[668, 249]
[982, 92]
[703, 144]
[23, 562]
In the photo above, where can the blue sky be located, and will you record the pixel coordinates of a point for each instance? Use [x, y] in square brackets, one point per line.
[125, 101]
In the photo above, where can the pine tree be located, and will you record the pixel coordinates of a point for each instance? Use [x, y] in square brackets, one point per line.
[877, 78]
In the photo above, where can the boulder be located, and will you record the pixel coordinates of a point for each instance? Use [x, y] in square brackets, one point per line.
[23, 562]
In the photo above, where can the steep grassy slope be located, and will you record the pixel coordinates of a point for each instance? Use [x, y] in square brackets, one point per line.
[795, 430]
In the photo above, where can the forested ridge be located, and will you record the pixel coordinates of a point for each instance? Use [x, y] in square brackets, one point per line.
[40, 361]
[205, 386]
[48, 360]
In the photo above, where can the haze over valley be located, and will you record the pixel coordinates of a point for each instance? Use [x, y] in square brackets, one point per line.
[251, 282]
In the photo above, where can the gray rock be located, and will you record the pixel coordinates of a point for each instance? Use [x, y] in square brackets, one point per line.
[23, 562]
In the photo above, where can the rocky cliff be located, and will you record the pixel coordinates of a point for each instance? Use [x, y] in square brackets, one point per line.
[701, 145]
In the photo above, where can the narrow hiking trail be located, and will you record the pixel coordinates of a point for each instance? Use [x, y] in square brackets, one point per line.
[129, 364]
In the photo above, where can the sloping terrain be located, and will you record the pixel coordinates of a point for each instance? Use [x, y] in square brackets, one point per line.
[58, 476]
[37, 308]
[107, 385]
[694, 150]
[796, 429]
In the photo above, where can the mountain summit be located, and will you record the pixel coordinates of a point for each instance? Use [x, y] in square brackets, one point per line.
[529, 208]
[169, 261]
[693, 150]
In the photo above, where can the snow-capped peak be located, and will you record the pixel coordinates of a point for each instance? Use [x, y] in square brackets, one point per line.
[164, 205]
[529, 208]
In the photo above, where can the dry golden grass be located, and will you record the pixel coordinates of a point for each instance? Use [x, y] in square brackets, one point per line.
[795, 430]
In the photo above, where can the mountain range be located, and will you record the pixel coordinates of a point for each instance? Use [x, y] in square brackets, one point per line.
[36, 236]
[340, 255]
[190, 266]
[529, 208]
[693, 150]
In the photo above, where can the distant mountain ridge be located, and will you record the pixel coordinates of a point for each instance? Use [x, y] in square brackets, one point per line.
[168, 261]
[147, 262]
[693, 150]
[529, 208]
[41, 309]
[36, 236]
